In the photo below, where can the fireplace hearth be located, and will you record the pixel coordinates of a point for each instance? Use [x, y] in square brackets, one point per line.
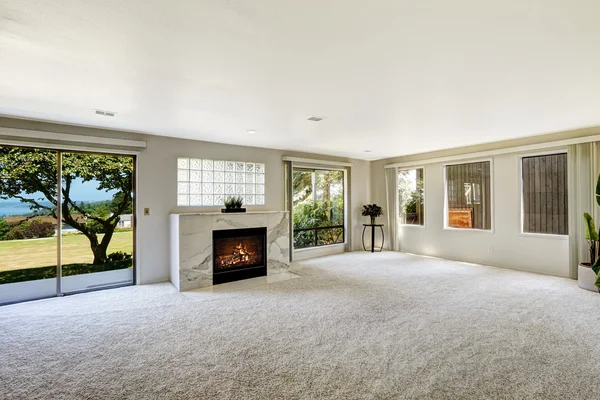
[239, 254]
[197, 237]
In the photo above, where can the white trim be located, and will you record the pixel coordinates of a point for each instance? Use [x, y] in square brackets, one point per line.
[315, 161]
[544, 236]
[137, 232]
[424, 197]
[507, 150]
[521, 197]
[66, 137]
[66, 147]
[492, 200]
[410, 226]
[319, 251]
[347, 216]
[468, 230]
[320, 167]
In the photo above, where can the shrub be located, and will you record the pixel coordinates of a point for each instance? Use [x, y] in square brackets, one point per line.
[16, 233]
[39, 229]
[4, 228]
[118, 256]
[31, 230]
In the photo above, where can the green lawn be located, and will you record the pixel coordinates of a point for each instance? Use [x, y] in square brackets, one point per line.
[33, 253]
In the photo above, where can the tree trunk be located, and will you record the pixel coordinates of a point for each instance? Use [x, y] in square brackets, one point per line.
[100, 249]
[100, 256]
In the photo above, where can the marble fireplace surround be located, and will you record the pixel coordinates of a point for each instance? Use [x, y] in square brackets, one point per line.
[192, 248]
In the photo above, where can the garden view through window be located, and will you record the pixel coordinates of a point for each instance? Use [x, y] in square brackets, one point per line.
[411, 198]
[468, 195]
[97, 218]
[318, 207]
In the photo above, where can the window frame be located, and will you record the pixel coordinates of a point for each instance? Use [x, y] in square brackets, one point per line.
[521, 232]
[424, 197]
[492, 195]
[346, 232]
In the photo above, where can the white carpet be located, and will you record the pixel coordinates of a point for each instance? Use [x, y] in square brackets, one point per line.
[354, 326]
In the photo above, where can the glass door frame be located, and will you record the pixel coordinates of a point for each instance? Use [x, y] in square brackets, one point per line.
[59, 150]
[290, 204]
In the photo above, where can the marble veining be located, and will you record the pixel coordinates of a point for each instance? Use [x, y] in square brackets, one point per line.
[193, 258]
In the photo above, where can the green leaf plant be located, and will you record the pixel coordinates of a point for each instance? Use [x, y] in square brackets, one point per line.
[593, 238]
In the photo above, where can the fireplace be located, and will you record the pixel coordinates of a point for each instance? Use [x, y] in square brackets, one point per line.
[239, 254]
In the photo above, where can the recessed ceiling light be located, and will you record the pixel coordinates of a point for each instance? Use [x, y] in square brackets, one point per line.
[315, 119]
[367, 151]
[250, 131]
[105, 113]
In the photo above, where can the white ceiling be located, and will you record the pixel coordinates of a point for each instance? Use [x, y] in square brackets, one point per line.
[395, 77]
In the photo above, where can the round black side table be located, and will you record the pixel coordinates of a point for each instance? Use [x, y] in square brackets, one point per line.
[373, 237]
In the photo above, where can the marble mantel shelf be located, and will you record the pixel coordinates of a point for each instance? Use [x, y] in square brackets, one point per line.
[191, 264]
[222, 213]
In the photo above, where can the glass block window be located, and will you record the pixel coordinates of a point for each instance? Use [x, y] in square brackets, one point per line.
[202, 182]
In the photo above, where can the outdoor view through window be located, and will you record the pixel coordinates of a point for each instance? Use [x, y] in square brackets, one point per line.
[318, 197]
[410, 197]
[97, 219]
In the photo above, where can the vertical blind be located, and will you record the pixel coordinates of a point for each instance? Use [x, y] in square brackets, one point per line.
[545, 195]
[469, 195]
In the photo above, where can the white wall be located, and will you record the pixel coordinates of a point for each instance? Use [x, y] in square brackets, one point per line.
[157, 185]
[511, 249]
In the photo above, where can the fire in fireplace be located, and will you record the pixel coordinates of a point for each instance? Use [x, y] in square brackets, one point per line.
[245, 253]
[239, 254]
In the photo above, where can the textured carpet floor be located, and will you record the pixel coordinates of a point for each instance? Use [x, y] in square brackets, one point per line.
[355, 326]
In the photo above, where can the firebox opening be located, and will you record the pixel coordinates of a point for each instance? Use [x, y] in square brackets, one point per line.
[239, 254]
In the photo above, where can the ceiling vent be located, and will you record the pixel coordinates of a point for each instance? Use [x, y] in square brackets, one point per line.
[315, 119]
[105, 113]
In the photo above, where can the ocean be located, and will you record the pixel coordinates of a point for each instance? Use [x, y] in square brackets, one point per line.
[14, 210]
[12, 207]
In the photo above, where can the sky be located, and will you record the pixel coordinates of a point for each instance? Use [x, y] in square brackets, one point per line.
[80, 191]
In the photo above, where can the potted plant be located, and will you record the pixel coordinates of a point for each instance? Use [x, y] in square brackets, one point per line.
[587, 273]
[233, 205]
[373, 211]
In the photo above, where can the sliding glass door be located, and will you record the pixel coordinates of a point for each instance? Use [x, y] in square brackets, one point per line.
[93, 245]
[28, 224]
[97, 214]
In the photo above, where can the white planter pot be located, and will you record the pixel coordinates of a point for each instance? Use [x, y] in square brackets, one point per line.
[586, 278]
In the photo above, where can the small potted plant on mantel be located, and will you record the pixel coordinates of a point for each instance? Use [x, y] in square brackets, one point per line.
[373, 211]
[588, 276]
[233, 205]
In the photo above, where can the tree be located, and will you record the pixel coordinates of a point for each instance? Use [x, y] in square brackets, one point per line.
[4, 228]
[318, 202]
[30, 176]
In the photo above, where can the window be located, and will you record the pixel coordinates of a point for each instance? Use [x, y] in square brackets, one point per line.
[318, 207]
[411, 197]
[545, 204]
[202, 182]
[470, 209]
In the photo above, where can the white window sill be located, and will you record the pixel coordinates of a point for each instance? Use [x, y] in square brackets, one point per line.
[411, 226]
[469, 230]
[544, 236]
[327, 246]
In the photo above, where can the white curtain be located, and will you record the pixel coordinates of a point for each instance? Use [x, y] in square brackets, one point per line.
[391, 190]
[583, 169]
